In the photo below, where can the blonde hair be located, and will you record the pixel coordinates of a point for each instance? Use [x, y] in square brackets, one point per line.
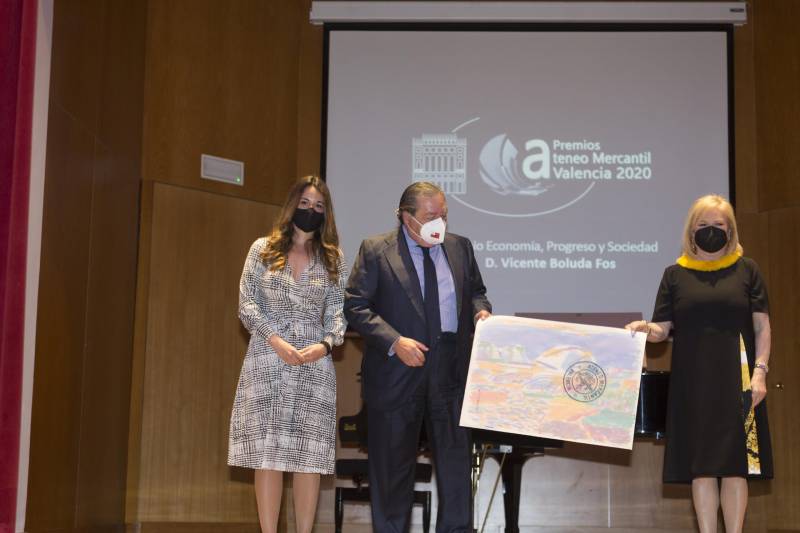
[700, 206]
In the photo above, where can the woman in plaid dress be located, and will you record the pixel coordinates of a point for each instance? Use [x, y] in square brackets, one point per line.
[290, 300]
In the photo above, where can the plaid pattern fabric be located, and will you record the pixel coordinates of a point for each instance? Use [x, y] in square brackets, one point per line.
[284, 417]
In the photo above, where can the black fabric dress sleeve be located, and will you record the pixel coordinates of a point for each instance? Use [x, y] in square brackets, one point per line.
[759, 300]
[663, 308]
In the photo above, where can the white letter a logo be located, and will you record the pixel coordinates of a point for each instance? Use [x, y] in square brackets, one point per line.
[540, 159]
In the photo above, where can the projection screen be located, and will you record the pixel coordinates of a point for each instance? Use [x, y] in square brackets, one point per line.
[569, 156]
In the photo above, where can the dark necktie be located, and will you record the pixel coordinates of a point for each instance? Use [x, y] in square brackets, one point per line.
[431, 297]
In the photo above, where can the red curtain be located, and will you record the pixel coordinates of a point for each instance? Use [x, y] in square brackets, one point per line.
[17, 57]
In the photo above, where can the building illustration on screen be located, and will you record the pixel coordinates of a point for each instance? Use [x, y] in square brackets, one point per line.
[441, 159]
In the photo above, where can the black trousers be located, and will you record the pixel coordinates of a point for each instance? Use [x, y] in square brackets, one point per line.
[393, 442]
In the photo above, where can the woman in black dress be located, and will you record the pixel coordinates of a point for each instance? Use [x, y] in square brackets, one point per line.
[715, 303]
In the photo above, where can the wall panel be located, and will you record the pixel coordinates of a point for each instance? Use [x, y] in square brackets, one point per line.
[81, 401]
[112, 270]
[754, 237]
[745, 121]
[309, 95]
[61, 323]
[193, 352]
[639, 499]
[777, 84]
[139, 351]
[784, 271]
[107, 349]
[77, 63]
[222, 79]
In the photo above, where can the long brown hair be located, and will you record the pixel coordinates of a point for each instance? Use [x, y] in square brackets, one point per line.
[324, 243]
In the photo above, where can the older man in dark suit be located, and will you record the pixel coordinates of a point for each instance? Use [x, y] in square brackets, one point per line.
[415, 294]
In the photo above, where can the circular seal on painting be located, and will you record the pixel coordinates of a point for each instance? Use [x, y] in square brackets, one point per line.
[584, 381]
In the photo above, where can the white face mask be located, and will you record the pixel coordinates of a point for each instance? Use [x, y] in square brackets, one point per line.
[432, 232]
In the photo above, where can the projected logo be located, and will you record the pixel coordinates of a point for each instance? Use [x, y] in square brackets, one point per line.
[513, 171]
[505, 174]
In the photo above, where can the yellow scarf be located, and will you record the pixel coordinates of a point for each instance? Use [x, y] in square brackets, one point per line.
[708, 266]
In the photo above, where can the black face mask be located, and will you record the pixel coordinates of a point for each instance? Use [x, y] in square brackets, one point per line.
[308, 220]
[711, 239]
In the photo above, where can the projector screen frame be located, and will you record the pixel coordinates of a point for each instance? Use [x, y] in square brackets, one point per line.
[431, 11]
[727, 29]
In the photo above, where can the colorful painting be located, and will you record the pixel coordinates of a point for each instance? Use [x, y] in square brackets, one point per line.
[556, 380]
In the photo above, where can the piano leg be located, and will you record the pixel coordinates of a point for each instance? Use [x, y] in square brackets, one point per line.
[338, 512]
[426, 512]
[512, 484]
[477, 467]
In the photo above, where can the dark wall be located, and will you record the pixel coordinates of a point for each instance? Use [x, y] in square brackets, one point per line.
[776, 83]
[84, 335]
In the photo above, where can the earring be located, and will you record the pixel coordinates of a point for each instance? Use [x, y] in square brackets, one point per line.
[693, 247]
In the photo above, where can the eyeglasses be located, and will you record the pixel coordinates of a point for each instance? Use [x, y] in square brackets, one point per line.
[306, 204]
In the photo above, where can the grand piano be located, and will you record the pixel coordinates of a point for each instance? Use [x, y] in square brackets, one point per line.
[512, 450]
